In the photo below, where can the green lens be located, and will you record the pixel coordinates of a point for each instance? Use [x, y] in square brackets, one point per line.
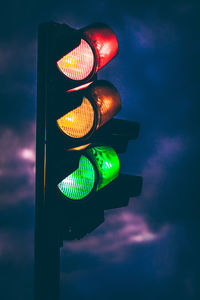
[107, 163]
[79, 184]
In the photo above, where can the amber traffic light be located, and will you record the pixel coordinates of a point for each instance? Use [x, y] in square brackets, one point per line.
[100, 102]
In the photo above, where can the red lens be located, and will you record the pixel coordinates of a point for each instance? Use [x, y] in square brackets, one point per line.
[79, 63]
[103, 41]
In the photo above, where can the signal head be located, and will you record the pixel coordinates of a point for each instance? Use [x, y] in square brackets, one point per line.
[98, 166]
[100, 102]
[97, 47]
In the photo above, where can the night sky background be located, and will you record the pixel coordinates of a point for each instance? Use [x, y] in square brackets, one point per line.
[149, 250]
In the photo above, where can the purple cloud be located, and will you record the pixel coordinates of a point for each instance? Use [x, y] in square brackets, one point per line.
[168, 150]
[120, 231]
[17, 165]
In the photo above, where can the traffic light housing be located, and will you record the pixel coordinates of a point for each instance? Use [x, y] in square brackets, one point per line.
[77, 144]
[78, 140]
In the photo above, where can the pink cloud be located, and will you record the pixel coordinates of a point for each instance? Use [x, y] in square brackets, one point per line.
[120, 231]
[17, 161]
[27, 154]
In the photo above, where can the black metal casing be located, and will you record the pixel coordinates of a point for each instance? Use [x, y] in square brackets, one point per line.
[55, 218]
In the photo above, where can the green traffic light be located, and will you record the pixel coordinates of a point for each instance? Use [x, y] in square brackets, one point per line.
[98, 165]
[107, 164]
[79, 184]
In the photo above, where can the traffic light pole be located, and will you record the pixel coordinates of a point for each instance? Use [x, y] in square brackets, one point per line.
[47, 263]
[47, 241]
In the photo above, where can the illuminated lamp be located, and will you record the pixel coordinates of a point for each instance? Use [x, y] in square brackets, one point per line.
[98, 166]
[97, 47]
[78, 64]
[100, 102]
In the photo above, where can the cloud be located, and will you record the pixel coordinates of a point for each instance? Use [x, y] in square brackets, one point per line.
[17, 164]
[167, 151]
[27, 154]
[16, 246]
[113, 240]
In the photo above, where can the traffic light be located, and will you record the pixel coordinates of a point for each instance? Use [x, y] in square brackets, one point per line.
[100, 102]
[78, 141]
[98, 166]
[97, 45]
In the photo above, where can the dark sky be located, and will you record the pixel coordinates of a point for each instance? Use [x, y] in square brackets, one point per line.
[149, 250]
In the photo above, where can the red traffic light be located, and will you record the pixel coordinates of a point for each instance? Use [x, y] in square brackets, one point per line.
[97, 47]
[79, 63]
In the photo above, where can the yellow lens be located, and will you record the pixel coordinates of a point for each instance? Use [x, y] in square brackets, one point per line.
[107, 100]
[78, 63]
[78, 122]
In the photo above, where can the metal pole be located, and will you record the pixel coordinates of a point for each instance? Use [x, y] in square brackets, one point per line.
[47, 262]
[47, 241]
